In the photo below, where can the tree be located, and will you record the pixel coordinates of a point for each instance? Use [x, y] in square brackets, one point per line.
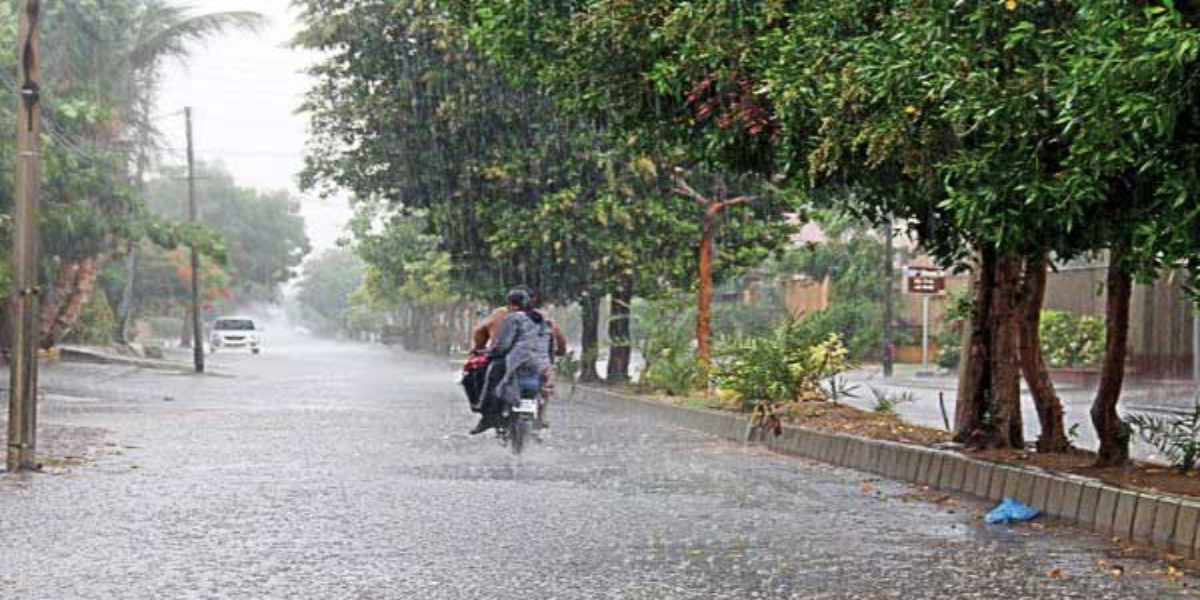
[518, 190]
[265, 239]
[102, 62]
[1132, 125]
[611, 64]
[325, 288]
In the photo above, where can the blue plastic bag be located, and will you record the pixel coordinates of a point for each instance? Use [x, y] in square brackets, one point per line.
[1011, 511]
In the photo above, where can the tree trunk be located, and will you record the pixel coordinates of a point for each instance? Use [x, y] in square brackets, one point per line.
[974, 379]
[704, 295]
[1113, 433]
[85, 287]
[60, 289]
[6, 330]
[185, 334]
[125, 310]
[1006, 366]
[589, 352]
[620, 348]
[1053, 437]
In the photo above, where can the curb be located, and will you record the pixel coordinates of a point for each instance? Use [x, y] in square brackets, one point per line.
[82, 355]
[1161, 521]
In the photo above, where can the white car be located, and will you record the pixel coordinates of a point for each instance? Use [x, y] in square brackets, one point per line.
[235, 332]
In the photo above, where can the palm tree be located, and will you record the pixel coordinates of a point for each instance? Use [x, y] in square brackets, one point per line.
[112, 54]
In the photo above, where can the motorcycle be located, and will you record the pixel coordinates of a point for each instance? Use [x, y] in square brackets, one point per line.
[518, 419]
[516, 422]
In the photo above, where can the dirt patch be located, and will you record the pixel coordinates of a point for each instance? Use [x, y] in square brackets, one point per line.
[1137, 475]
[839, 418]
[832, 417]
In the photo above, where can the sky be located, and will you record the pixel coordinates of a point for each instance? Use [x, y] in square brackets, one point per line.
[244, 89]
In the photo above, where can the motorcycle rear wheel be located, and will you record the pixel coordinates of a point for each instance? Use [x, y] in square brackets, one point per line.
[520, 428]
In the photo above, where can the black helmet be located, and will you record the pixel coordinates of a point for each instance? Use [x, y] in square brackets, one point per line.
[519, 298]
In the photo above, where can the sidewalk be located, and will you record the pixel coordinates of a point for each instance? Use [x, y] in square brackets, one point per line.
[927, 394]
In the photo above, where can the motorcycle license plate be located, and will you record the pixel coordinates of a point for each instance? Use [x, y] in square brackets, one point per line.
[527, 406]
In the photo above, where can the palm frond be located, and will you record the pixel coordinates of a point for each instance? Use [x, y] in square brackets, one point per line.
[169, 32]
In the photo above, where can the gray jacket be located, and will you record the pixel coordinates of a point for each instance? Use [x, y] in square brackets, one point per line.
[525, 346]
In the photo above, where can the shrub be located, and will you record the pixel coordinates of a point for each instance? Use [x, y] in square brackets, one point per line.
[949, 340]
[885, 403]
[786, 365]
[1070, 341]
[567, 367]
[664, 336]
[857, 322]
[96, 324]
[1176, 436]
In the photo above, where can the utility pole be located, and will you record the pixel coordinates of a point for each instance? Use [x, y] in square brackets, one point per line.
[197, 332]
[22, 387]
[888, 284]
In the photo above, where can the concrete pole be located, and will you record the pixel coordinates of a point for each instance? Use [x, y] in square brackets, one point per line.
[925, 333]
[197, 331]
[23, 386]
[888, 301]
[1196, 344]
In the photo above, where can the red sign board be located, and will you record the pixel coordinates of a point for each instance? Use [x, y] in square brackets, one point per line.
[926, 281]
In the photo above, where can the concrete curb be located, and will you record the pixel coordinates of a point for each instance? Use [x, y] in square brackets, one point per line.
[1161, 521]
[88, 355]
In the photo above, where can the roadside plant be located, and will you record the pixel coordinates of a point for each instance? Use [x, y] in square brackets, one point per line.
[886, 403]
[664, 338]
[1177, 436]
[567, 366]
[787, 365]
[1071, 341]
[949, 341]
[1073, 433]
[839, 387]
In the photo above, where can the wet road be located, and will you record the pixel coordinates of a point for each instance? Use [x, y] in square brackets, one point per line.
[319, 470]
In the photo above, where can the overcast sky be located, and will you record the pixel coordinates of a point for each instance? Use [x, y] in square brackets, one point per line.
[244, 89]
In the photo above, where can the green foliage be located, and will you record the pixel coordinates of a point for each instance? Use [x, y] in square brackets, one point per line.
[96, 323]
[1176, 436]
[326, 287]
[567, 366]
[853, 258]
[1070, 341]
[788, 365]
[949, 340]
[259, 234]
[949, 351]
[886, 404]
[663, 334]
[404, 266]
[859, 322]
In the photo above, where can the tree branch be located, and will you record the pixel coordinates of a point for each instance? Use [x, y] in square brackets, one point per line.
[738, 200]
[682, 188]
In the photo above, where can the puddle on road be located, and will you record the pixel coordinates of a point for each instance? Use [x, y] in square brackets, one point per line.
[66, 399]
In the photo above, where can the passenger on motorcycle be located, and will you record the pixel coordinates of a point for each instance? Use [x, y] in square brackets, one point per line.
[524, 340]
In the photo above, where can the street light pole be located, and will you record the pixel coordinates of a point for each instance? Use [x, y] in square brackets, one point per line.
[197, 332]
[22, 399]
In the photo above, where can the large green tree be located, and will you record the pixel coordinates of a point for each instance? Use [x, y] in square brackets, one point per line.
[263, 232]
[518, 189]
[1004, 133]
[100, 69]
[326, 286]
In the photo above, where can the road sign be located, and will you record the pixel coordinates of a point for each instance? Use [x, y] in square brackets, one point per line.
[925, 281]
